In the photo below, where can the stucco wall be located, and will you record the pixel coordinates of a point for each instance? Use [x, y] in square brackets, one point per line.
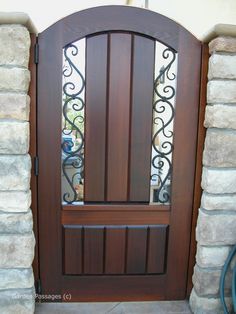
[199, 17]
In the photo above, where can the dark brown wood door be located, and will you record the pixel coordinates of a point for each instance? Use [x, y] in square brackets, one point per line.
[116, 147]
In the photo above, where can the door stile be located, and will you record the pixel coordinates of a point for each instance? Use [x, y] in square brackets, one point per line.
[184, 158]
[49, 179]
[198, 172]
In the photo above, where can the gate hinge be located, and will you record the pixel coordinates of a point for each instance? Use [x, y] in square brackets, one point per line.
[38, 286]
[36, 53]
[36, 166]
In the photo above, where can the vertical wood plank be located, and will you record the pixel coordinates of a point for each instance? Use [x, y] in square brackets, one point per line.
[141, 119]
[115, 250]
[93, 249]
[119, 113]
[156, 249]
[95, 129]
[136, 250]
[72, 250]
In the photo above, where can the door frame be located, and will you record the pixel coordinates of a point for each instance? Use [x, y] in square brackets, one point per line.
[33, 153]
[34, 143]
[198, 172]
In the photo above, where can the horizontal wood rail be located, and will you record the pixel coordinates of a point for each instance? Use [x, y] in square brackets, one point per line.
[116, 207]
[118, 217]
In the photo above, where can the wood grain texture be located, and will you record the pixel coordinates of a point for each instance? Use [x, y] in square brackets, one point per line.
[172, 284]
[118, 117]
[157, 245]
[49, 186]
[118, 18]
[95, 132]
[141, 119]
[117, 207]
[114, 288]
[115, 250]
[114, 217]
[136, 250]
[184, 158]
[93, 249]
[73, 250]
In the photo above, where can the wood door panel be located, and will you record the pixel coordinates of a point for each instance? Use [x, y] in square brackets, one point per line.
[95, 132]
[119, 80]
[117, 250]
[93, 244]
[157, 246]
[118, 117]
[141, 119]
[136, 250]
[73, 250]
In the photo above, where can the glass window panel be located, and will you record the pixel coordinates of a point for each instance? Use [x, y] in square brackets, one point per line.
[73, 108]
[163, 120]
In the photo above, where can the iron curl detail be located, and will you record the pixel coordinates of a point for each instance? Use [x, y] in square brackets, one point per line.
[163, 115]
[73, 129]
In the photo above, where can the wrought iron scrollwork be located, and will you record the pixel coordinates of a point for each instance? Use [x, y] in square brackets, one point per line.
[73, 125]
[163, 115]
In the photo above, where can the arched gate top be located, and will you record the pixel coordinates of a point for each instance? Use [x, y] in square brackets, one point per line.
[117, 18]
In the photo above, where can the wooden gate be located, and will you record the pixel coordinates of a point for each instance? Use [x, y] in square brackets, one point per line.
[118, 97]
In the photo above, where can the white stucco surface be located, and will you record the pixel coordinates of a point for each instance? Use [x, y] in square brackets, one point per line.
[199, 17]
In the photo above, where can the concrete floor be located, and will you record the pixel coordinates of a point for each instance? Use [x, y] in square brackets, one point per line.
[160, 307]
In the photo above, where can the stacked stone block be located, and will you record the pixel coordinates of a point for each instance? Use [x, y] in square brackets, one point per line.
[16, 236]
[216, 226]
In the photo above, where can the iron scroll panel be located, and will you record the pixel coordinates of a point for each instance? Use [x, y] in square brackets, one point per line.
[73, 120]
[163, 118]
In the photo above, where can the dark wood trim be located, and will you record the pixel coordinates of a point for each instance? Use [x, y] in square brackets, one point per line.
[184, 158]
[115, 207]
[113, 288]
[198, 172]
[116, 18]
[49, 131]
[33, 149]
[114, 218]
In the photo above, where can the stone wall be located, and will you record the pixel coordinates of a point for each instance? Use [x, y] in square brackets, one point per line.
[16, 236]
[216, 226]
